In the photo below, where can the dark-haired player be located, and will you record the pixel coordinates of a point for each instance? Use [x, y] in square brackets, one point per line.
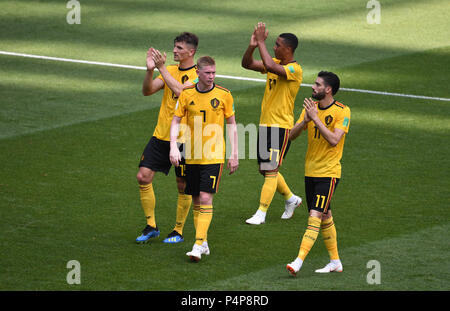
[284, 76]
[155, 158]
[327, 122]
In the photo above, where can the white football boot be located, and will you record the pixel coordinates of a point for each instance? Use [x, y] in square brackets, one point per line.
[294, 266]
[206, 248]
[197, 251]
[257, 219]
[332, 266]
[290, 206]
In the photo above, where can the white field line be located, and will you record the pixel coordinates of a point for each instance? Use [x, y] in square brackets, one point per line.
[218, 76]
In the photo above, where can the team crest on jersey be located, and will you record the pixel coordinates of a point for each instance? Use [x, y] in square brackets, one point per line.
[328, 119]
[215, 102]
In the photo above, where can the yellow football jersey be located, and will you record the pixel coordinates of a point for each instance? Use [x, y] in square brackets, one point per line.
[322, 159]
[205, 113]
[162, 130]
[277, 107]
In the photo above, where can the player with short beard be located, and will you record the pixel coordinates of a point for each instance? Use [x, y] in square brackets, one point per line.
[327, 122]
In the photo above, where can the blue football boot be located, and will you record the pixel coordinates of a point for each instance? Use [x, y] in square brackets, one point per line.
[174, 237]
[147, 234]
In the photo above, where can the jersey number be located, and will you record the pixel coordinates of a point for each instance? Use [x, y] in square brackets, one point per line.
[272, 151]
[272, 82]
[182, 169]
[214, 181]
[316, 132]
[204, 115]
[319, 197]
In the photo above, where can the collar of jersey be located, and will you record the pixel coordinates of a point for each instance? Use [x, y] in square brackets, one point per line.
[186, 69]
[327, 106]
[214, 85]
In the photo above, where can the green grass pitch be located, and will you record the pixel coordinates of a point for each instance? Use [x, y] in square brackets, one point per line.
[71, 136]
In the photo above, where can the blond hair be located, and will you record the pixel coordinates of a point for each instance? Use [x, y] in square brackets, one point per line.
[205, 61]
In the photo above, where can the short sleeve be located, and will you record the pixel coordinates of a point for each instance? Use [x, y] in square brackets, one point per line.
[343, 121]
[229, 106]
[293, 72]
[180, 107]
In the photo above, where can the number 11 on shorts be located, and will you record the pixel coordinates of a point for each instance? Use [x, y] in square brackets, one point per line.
[318, 200]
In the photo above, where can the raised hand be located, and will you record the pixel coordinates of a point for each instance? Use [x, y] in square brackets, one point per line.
[260, 32]
[310, 109]
[150, 63]
[158, 58]
[253, 41]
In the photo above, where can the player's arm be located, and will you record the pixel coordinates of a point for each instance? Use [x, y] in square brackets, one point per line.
[151, 86]
[332, 137]
[174, 155]
[297, 130]
[171, 82]
[299, 126]
[248, 62]
[233, 161]
[260, 35]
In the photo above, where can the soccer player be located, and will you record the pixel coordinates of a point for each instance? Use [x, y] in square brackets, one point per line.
[155, 157]
[205, 105]
[327, 122]
[284, 76]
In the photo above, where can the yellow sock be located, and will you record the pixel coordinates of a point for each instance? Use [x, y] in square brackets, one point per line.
[310, 237]
[330, 237]
[205, 215]
[282, 187]
[148, 203]
[183, 206]
[196, 211]
[268, 191]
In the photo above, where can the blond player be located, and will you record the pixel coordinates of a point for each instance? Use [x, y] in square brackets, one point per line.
[205, 106]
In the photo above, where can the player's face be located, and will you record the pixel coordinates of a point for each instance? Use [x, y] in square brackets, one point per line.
[206, 75]
[318, 89]
[182, 51]
[279, 48]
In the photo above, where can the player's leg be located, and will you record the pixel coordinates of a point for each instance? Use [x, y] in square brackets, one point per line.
[329, 235]
[268, 159]
[193, 189]
[145, 180]
[196, 210]
[147, 196]
[267, 193]
[273, 145]
[183, 205]
[204, 217]
[313, 227]
[292, 201]
[208, 185]
[205, 213]
[155, 158]
[192, 179]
